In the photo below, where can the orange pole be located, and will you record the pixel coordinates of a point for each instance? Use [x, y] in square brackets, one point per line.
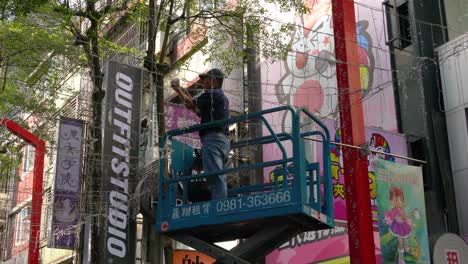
[360, 229]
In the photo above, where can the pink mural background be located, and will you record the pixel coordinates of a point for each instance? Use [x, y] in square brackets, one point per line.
[307, 78]
[378, 140]
[310, 247]
[317, 246]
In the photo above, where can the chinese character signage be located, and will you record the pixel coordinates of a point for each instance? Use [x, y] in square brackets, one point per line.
[66, 196]
[449, 248]
[321, 246]
[178, 116]
[335, 248]
[402, 213]
[120, 154]
[190, 257]
[452, 257]
[378, 140]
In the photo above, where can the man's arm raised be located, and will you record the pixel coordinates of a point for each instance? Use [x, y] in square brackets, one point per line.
[183, 93]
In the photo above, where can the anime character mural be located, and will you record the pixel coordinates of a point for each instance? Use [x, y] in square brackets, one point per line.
[378, 143]
[307, 78]
[310, 67]
[378, 146]
[310, 77]
[400, 224]
[366, 57]
[402, 221]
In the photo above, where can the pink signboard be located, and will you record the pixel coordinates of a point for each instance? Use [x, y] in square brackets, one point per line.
[378, 140]
[178, 116]
[302, 249]
[323, 246]
[307, 78]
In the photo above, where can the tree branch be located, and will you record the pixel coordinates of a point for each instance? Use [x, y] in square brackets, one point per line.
[5, 76]
[172, 21]
[108, 8]
[16, 53]
[153, 24]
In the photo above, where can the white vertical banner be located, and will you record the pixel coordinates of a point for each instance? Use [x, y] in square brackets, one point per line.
[66, 196]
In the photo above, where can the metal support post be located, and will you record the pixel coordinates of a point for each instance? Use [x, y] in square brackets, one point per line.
[249, 251]
[360, 230]
[36, 203]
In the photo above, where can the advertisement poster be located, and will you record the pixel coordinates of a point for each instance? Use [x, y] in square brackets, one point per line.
[378, 140]
[402, 213]
[331, 246]
[307, 77]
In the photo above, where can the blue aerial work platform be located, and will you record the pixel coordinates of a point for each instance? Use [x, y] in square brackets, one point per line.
[263, 216]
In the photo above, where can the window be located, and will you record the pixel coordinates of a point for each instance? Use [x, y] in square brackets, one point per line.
[23, 220]
[399, 25]
[404, 24]
[28, 158]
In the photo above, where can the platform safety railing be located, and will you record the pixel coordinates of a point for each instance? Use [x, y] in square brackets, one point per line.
[302, 185]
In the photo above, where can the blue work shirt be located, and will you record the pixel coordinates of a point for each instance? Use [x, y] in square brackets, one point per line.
[210, 106]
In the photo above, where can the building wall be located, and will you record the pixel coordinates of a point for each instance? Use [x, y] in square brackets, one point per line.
[308, 75]
[19, 259]
[421, 114]
[453, 61]
[308, 78]
[457, 17]
[24, 187]
[20, 194]
[22, 199]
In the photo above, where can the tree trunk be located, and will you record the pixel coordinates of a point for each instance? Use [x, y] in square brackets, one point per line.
[95, 175]
[155, 241]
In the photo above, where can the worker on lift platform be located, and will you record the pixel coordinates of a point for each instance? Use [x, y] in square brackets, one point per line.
[210, 106]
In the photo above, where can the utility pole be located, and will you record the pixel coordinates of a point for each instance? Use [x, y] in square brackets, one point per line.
[360, 229]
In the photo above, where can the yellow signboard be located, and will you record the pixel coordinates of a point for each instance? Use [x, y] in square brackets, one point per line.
[344, 260]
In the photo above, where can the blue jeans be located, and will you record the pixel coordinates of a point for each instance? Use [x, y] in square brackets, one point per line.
[215, 153]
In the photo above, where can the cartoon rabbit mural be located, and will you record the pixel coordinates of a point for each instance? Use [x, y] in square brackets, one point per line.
[310, 77]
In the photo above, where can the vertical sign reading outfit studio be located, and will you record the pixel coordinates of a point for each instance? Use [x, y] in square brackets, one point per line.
[120, 158]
